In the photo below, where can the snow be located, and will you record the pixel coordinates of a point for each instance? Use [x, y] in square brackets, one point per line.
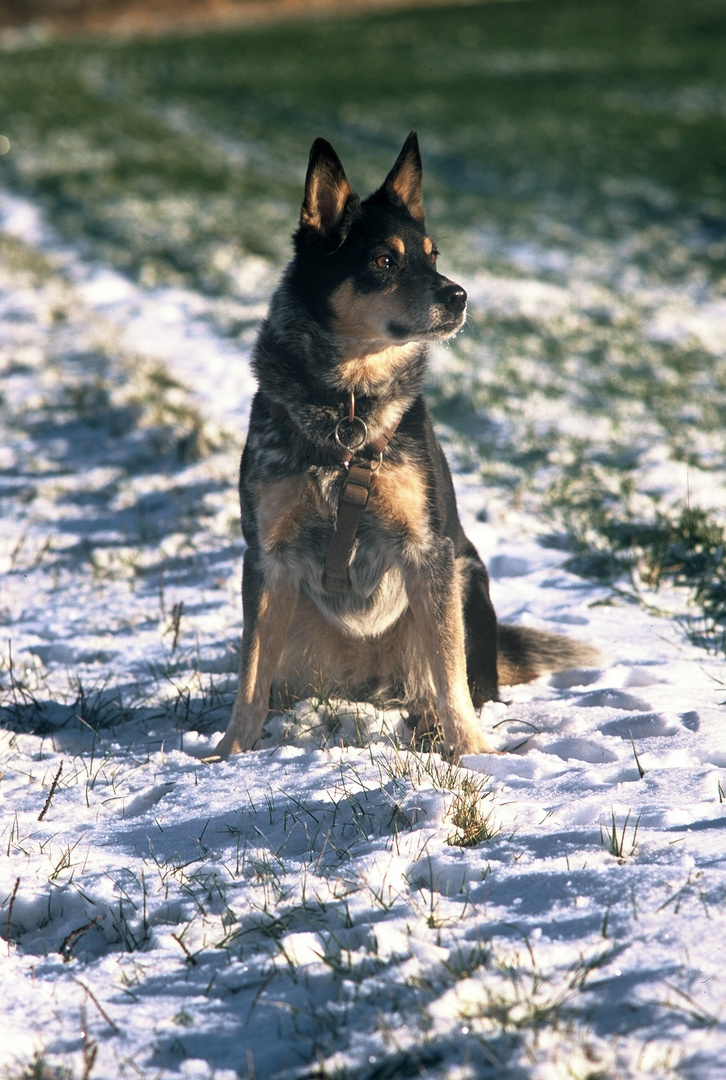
[304, 910]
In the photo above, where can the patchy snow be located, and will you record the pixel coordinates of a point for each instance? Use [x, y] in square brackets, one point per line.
[173, 325]
[305, 910]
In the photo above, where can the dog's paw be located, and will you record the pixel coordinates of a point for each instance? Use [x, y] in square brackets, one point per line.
[212, 759]
[451, 733]
[433, 740]
[229, 744]
[464, 735]
[475, 742]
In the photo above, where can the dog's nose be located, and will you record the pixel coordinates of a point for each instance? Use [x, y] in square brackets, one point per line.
[453, 296]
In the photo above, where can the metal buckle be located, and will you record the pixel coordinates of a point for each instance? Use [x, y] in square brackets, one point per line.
[352, 448]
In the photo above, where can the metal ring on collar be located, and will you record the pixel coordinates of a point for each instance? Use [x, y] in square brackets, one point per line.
[364, 434]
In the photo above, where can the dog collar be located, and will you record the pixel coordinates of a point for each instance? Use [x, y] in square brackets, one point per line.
[342, 449]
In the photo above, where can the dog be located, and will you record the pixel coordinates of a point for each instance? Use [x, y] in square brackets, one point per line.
[357, 573]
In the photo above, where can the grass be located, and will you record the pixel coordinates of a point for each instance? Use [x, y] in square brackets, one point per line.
[237, 897]
[574, 169]
[580, 147]
[472, 823]
[683, 548]
[38, 1067]
[583, 87]
[619, 843]
[469, 810]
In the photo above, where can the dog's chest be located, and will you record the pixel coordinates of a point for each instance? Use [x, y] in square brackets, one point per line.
[296, 515]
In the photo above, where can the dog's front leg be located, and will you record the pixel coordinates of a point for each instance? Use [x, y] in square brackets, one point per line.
[268, 602]
[434, 595]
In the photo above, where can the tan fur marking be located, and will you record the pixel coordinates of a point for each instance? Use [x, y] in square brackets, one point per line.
[283, 507]
[442, 633]
[389, 415]
[397, 244]
[269, 633]
[407, 185]
[262, 646]
[248, 671]
[367, 372]
[445, 643]
[265, 651]
[352, 314]
[369, 360]
[428, 245]
[398, 498]
[326, 203]
[450, 651]
[360, 322]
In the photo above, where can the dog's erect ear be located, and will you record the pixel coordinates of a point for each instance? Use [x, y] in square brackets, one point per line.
[327, 195]
[403, 183]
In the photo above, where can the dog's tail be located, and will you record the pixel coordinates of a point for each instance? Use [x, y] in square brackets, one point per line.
[524, 653]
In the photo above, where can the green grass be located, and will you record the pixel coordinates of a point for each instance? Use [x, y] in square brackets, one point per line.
[204, 138]
[583, 145]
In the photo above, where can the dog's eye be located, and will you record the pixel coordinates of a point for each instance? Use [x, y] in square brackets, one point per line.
[384, 262]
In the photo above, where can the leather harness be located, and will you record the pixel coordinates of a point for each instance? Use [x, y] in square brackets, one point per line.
[356, 489]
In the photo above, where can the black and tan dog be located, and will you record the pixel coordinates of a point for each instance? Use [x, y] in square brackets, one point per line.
[357, 574]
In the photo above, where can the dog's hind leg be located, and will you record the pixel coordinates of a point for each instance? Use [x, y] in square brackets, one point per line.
[434, 594]
[268, 604]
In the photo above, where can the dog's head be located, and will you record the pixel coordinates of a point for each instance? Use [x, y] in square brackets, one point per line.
[368, 269]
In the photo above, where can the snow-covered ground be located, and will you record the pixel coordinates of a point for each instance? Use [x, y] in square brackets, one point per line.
[306, 910]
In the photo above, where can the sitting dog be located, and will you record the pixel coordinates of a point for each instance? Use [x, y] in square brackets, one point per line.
[357, 574]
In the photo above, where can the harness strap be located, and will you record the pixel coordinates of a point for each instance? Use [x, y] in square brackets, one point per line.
[354, 496]
[353, 501]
